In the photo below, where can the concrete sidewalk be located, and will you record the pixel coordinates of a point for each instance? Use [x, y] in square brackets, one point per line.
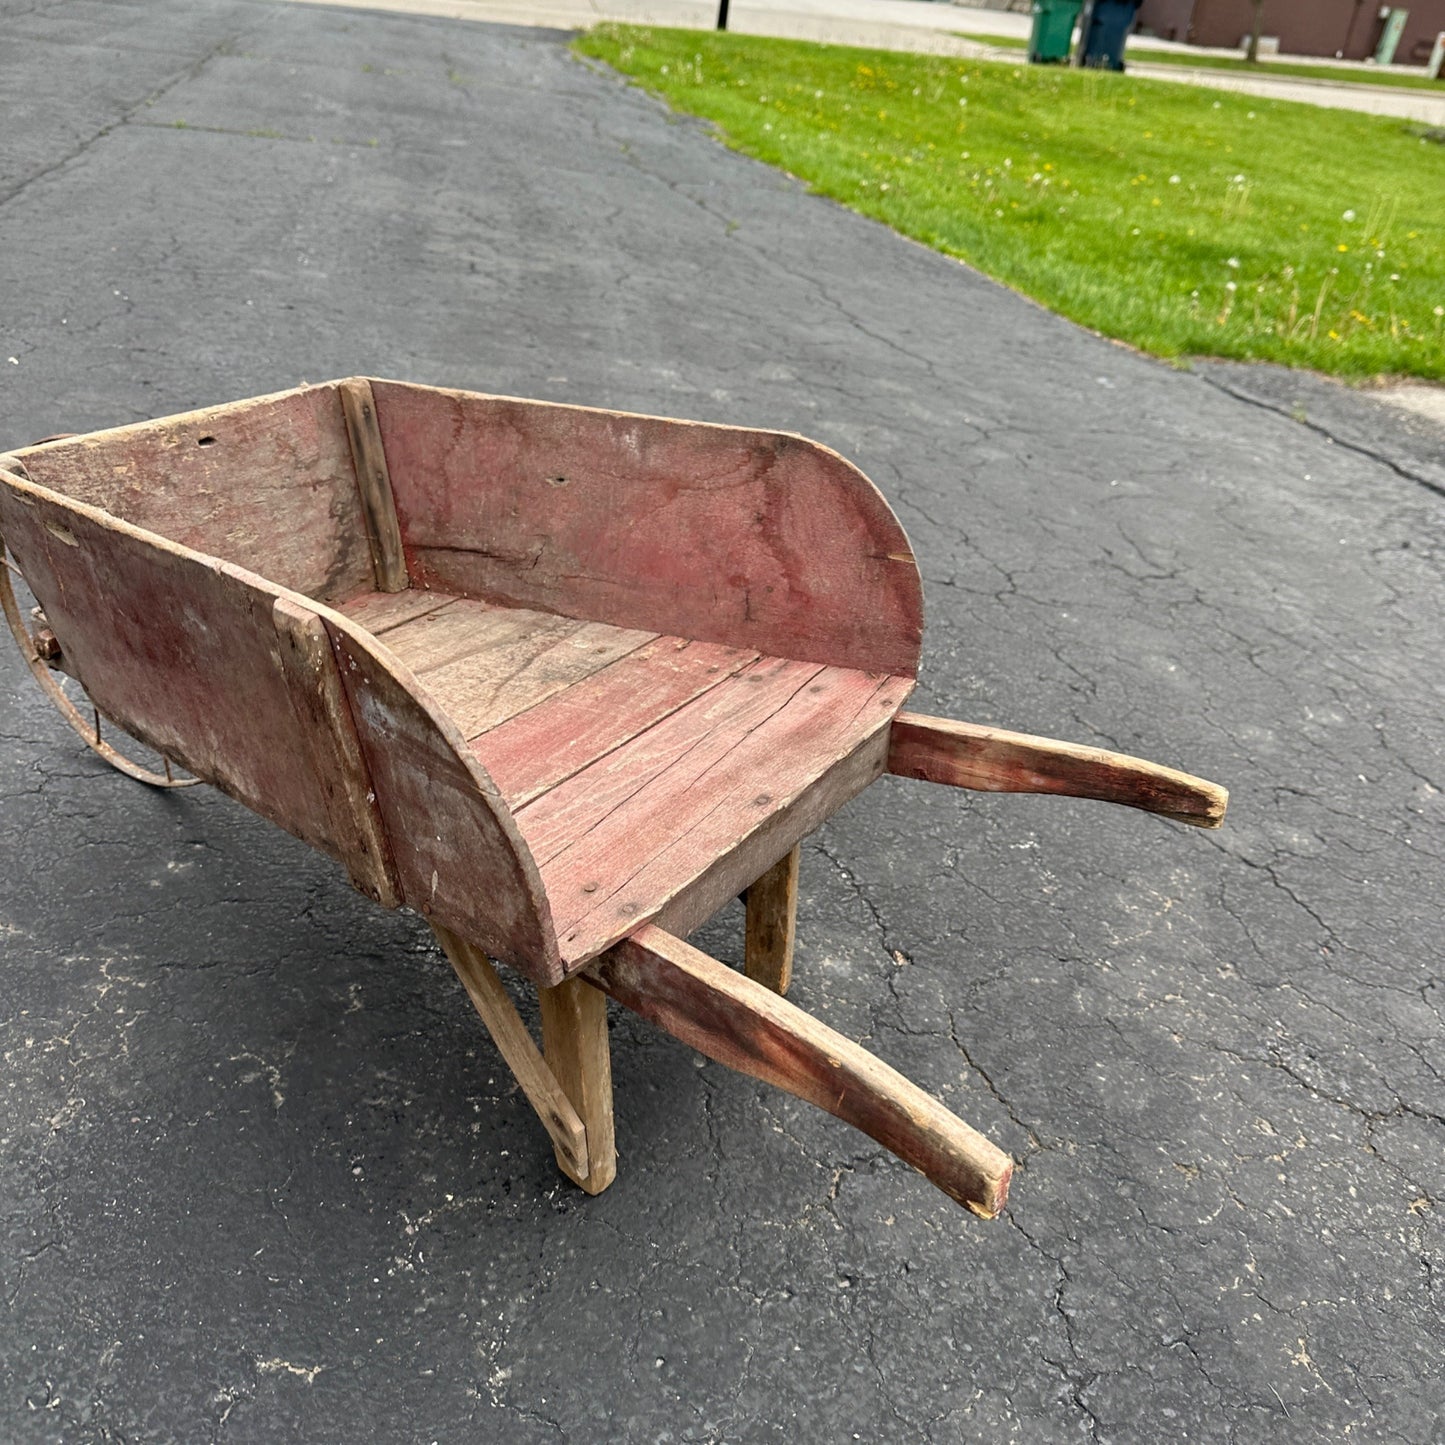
[910, 25]
[1426, 107]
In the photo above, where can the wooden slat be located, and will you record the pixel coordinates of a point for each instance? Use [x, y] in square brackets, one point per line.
[380, 612]
[694, 900]
[731, 795]
[373, 482]
[496, 682]
[574, 1037]
[457, 629]
[756, 540]
[772, 914]
[584, 815]
[482, 664]
[266, 484]
[536, 750]
[462, 628]
[310, 666]
[543, 1089]
[747, 1027]
[965, 755]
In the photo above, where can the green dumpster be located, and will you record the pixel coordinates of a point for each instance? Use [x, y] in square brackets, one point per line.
[1053, 32]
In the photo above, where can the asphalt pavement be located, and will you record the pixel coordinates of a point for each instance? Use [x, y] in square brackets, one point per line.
[263, 1177]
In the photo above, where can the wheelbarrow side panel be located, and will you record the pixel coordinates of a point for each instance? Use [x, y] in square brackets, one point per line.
[753, 539]
[267, 484]
[194, 657]
[458, 856]
[174, 648]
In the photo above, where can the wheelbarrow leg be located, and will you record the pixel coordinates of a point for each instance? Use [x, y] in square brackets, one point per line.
[574, 1037]
[772, 908]
[545, 1092]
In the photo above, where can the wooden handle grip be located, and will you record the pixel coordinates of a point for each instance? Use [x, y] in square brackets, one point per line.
[964, 755]
[751, 1029]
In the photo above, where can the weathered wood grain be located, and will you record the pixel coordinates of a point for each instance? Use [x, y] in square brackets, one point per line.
[771, 921]
[749, 1028]
[574, 1038]
[965, 755]
[695, 900]
[373, 482]
[42, 655]
[183, 652]
[484, 664]
[265, 484]
[380, 612]
[716, 812]
[597, 809]
[310, 666]
[459, 858]
[755, 540]
[177, 649]
[536, 750]
[456, 629]
[544, 1090]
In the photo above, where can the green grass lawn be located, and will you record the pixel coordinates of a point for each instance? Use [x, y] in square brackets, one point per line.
[1181, 220]
[1145, 55]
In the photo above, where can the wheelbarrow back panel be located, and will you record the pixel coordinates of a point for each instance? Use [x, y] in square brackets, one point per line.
[267, 485]
[753, 539]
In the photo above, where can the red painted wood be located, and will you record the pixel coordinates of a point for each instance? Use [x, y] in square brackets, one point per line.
[751, 539]
[309, 662]
[179, 650]
[535, 751]
[482, 664]
[682, 746]
[618, 841]
[182, 652]
[651, 769]
[267, 484]
[747, 1027]
[696, 900]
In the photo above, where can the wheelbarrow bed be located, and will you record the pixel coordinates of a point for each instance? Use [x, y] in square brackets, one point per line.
[652, 777]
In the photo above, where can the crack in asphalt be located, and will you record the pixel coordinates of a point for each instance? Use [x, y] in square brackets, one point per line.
[1435, 488]
[189, 72]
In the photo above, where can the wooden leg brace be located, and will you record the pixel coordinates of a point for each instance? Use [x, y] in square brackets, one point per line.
[570, 1088]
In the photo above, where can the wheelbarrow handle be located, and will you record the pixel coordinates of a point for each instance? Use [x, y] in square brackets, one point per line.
[749, 1028]
[965, 755]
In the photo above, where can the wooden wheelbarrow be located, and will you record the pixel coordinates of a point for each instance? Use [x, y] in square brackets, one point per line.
[564, 681]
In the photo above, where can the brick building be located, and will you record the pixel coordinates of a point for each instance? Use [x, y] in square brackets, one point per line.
[1348, 28]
